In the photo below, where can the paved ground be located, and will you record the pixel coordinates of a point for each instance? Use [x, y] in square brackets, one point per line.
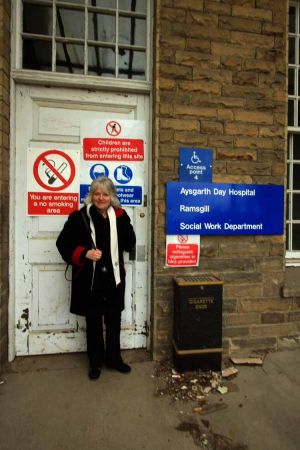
[48, 403]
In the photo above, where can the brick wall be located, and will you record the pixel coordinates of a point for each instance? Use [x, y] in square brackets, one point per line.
[4, 173]
[220, 83]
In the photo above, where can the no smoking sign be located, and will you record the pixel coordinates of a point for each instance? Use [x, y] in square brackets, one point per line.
[52, 181]
[54, 170]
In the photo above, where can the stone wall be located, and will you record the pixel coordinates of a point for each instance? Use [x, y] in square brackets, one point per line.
[4, 173]
[220, 82]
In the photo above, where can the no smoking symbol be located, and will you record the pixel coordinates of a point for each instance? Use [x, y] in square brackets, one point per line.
[182, 238]
[113, 128]
[54, 170]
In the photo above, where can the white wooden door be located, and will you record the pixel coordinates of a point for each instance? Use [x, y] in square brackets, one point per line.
[50, 118]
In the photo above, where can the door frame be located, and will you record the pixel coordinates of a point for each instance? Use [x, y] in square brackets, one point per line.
[13, 250]
[96, 83]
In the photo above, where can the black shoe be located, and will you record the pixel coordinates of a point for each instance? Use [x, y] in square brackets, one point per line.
[120, 366]
[94, 373]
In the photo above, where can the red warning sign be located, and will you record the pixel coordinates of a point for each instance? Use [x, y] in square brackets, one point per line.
[108, 149]
[49, 204]
[182, 254]
[52, 182]
[54, 170]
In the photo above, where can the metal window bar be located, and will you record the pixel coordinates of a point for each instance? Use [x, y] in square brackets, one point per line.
[117, 41]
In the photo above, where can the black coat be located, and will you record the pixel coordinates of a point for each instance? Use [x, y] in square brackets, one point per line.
[73, 243]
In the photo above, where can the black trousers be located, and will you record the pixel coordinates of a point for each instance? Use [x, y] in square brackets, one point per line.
[98, 351]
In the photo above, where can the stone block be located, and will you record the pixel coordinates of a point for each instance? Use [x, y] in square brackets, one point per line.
[172, 42]
[233, 63]
[294, 316]
[254, 142]
[274, 330]
[230, 277]
[243, 129]
[225, 49]
[254, 117]
[166, 164]
[272, 317]
[190, 138]
[211, 127]
[240, 24]
[263, 306]
[200, 45]
[259, 65]
[197, 59]
[166, 55]
[271, 131]
[225, 114]
[175, 71]
[175, 98]
[251, 343]
[229, 332]
[190, 110]
[254, 168]
[253, 13]
[166, 136]
[164, 324]
[196, 5]
[220, 141]
[173, 14]
[296, 303]
[220, 76]
[215, 7]
[243, 291]
[166, 109]
[276, 81]
[237, 155]
[252, 39]
[278, 169]
[180, 124]
[229, 305]
[167, 84]
[212, 88]
[245, 78]
[230, 320]
[208, 21]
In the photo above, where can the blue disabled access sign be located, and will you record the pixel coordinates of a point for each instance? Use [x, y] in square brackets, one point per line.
[195, 164]
[211, 208]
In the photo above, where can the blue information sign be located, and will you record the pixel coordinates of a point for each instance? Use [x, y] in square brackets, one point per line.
[128, 195]
[209, 208]
[84, 190]
[195, 164]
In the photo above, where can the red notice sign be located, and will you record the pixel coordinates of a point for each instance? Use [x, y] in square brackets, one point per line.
[45, 203]
[182, 254]
[109, 149]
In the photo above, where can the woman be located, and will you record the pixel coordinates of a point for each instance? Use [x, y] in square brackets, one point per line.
[93, 241]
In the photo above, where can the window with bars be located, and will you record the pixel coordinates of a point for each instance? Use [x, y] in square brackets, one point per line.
[106, 38]
[293, 160]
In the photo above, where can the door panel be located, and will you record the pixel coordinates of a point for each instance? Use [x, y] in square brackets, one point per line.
[50, 119]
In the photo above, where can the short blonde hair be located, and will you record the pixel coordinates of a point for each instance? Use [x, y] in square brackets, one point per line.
[107, 185]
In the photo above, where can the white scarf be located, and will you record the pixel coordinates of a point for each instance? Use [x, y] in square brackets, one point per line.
[114, 249]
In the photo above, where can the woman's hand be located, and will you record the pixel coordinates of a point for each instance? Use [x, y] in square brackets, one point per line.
[94, 255]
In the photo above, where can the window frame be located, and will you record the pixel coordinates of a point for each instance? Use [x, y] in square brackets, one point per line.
[293, 256]
[77, 80]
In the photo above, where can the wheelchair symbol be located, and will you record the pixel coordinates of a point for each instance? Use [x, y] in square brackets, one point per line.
[195, 159]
